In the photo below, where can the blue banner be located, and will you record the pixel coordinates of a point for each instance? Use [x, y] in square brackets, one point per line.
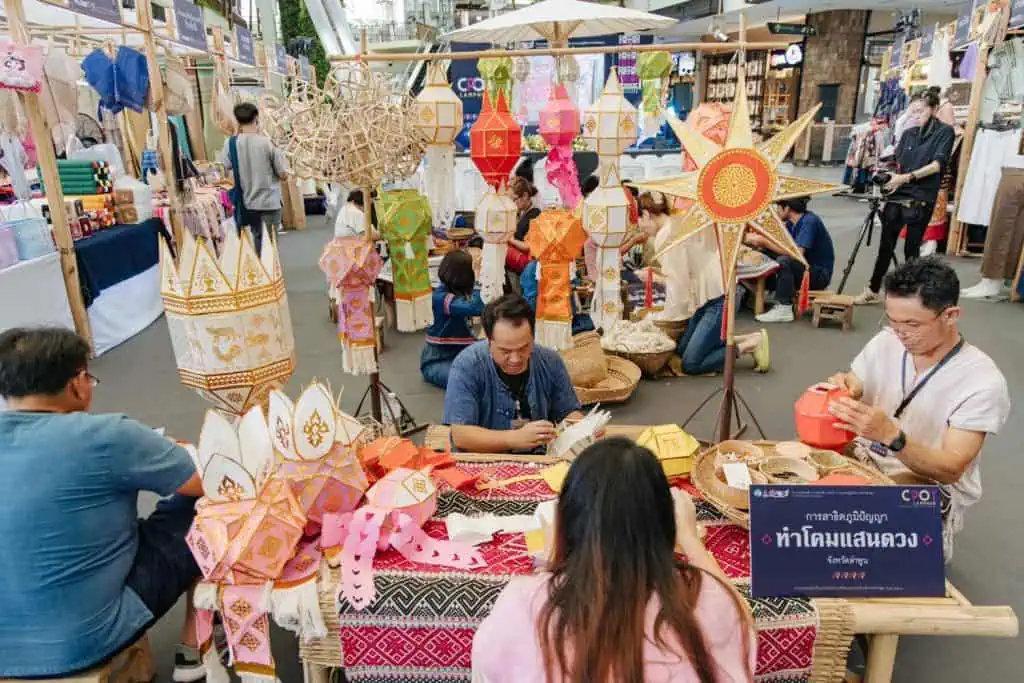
[846, 541]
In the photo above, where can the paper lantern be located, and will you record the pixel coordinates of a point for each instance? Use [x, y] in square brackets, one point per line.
[673, 447]
[559, 126]
[606, 219]
[653, 68]
[497, 74]
[404, 220]
[351, 264]
[610, 125]
[438, 113]
[230, 327]
[555, 239]
[496, 222]
[495, 142]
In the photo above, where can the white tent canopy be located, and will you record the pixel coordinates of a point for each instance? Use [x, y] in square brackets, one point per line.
[557, 21]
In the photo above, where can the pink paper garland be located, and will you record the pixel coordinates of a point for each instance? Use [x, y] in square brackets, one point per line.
[563, 175]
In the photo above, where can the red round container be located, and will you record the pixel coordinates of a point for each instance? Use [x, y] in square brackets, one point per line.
[814, 424]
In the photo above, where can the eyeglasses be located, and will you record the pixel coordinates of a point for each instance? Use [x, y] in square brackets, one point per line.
[93, 379]
[909, 326]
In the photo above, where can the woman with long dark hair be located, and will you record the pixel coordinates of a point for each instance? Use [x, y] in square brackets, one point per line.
[523, 193]
[455, 301]
[617, 605]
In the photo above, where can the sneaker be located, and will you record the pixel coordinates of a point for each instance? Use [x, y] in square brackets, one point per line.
[779, 313]
[763, 354]
[867, 298]
[983, 290]
[188, 665]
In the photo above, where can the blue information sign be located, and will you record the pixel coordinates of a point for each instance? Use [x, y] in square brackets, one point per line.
[246, 51]
[105, 10]
[846, 541]
[191, 24]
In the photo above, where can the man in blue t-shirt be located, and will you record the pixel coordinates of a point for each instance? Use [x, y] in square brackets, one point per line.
[82, 576]
[815, 244]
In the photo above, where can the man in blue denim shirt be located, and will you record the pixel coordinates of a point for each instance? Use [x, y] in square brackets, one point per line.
[505, 394]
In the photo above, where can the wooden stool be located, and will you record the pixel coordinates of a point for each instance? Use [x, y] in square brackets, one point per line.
[134, 664]
[837, 308]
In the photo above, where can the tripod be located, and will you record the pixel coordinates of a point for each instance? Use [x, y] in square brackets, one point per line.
[875, 201]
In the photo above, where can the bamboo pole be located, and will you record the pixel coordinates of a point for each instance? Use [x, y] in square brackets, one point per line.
[554, 52]
[933, 620]
[54, 194]
[881, 658]
[956, 234]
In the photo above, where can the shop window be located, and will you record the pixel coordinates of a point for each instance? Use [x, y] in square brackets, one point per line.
[828, 95]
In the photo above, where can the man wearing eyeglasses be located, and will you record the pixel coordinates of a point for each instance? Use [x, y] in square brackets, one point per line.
[83, 578]
[924, 399]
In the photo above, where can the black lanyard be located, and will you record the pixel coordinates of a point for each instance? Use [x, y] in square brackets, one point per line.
[907, 398]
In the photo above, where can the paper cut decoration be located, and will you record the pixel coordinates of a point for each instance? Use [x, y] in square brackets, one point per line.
[318, 445]
[352, 264]
[228, 318]
[672, 446]
[438, 113]
[555, 239]
[559, 126]
[397, 508]
[404, 217]
[571, 438]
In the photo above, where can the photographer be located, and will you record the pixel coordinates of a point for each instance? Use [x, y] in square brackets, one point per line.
[921, 155]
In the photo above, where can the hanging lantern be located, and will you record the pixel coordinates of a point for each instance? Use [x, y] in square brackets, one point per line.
[228, 318]
[352, 264]
[610, 126]
[404, 219]
[520, 69]
[568, 69]
[653, 68]
[556, 238]
[559, 126]
[438, 113]
[495, 145]
[606, 220]
[497, 75]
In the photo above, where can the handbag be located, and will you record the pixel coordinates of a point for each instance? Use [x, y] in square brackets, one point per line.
[237, 194]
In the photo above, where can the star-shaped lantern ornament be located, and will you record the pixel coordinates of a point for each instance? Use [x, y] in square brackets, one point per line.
[735, 185]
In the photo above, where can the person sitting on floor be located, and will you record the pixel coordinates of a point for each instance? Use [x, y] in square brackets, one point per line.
[83, 577]
[616, 603]
[811, 236]
[581, 320]
[923, 398]
[506, 394]
[701, 347]
[455, 302]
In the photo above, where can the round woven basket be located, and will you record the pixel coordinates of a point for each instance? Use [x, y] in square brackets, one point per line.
[649, 363]
[585, 361]
[619, 383]
[673, 328]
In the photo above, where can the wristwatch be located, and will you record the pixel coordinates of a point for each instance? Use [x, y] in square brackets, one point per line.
[899, 443]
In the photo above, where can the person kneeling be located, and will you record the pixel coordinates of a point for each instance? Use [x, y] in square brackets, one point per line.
[455, 302]
[506, 394]
[83, 578]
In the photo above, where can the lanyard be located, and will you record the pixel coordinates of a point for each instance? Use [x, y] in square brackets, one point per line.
[907, 398]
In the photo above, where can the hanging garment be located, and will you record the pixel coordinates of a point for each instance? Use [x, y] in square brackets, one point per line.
[993, 150]
[940, 70]
[13, 160]
[1005, 238]
[969, 62]
[1005, 80]
[59, 95]
[121, 83]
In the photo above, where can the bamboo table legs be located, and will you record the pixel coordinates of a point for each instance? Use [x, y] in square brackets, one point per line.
[881, 658]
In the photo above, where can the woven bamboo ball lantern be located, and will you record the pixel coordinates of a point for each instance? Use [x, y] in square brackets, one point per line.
[438, 110]
[611, 125]
[495, 142]
[520, 69]
[559, 119]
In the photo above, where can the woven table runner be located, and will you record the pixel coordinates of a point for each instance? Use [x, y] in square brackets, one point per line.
[420, 627]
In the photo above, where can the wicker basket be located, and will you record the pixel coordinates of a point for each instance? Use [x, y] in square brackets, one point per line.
[673, 328]
[650, 364]
[585, 361]
[619, 383]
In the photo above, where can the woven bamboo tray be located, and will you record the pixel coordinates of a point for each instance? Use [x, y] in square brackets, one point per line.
[705, 480]
[620, 382]
[649, 363]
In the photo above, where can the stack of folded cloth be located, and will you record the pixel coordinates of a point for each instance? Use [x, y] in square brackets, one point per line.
[80, 177]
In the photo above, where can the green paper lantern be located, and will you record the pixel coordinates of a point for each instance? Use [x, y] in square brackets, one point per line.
[652, 67]
[497, 74]
[404, 217]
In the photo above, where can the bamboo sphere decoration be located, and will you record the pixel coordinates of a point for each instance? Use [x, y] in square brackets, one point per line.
[520, 69]
[611, 125]
[495, 142]
[438, 110]
[559, 119]
[568, 69]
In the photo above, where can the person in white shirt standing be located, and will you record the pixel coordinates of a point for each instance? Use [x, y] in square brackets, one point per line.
[924, 399]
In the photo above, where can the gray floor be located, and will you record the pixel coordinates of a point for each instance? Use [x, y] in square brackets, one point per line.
[140, 378]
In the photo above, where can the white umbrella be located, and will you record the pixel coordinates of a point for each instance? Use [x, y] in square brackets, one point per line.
[557, 20]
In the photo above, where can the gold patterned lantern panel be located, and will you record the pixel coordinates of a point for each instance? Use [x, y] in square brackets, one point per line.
[495, 220]
[229, 320]
[606, 220]
[555, 239]
[438, 113]
[611, 125]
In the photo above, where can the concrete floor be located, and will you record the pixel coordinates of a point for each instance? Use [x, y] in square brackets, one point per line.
[140, 378]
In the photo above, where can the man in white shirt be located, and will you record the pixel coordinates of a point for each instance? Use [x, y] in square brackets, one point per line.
[351, 220]
[924, 398]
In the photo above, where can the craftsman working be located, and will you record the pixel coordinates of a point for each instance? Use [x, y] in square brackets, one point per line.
[924, 399]
[506, 394]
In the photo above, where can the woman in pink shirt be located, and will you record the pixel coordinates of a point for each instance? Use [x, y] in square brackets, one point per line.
[617, 604]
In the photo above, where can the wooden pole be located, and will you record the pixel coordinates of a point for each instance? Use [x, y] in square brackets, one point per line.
[156, 83]
[554, 51]
[956, 233]
[54, 193]
[375, 406]
[881, 658]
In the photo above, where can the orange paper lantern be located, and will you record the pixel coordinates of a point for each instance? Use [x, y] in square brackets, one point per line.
[556, 238]
[495, 142]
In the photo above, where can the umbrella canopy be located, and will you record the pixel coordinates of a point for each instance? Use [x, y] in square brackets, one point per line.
[556, 21]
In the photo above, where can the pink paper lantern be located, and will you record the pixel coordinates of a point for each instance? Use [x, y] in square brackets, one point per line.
[559, 119]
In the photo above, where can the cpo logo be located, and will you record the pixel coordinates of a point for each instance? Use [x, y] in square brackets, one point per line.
[470, 84]
[918, 496]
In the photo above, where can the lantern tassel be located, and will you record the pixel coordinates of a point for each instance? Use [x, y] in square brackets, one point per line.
[805, 292]
[492, 271]
[554, 334]
[439, 184]
[606, 305]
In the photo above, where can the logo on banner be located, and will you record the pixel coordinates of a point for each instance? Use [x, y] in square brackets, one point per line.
[469, 86]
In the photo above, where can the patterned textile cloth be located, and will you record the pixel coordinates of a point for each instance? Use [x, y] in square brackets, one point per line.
[420, 627]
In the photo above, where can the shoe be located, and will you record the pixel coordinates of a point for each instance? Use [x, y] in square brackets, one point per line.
[763, 354]
[867, 298]
[779, 313]
[983, 290]
[188, 665]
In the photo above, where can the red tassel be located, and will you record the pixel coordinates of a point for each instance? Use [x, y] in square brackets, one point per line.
[805, 292]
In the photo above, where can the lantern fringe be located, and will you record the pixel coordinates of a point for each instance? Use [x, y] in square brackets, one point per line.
[414, 313]
[297, 608]
[214, 668]
[606, 306]
[253, 677]
[358, 360]
[492, 271]
[439, 184]
[562, 173]
[205, 596]
[554, 334]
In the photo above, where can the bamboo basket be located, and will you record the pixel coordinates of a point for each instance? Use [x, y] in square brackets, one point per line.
[619, 383]
[585, 361]
[650, 364]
